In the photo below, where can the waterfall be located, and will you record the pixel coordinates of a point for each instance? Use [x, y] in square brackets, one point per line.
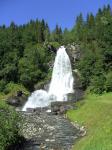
[61, 83]
[62, 79]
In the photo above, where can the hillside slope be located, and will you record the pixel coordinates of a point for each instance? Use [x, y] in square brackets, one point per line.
[95, 113]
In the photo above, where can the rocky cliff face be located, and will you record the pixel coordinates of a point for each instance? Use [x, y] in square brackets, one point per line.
[74, 53]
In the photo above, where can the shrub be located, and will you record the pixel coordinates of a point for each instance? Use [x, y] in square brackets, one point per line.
[108, 83]
[9, 130]
[55, 44]
[12, 88]
[2, 85]
[97, 84]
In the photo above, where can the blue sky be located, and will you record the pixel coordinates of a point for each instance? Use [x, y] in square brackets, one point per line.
[62, 12]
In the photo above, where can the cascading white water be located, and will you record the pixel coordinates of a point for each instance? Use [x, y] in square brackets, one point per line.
[62, 79]
[61, 83]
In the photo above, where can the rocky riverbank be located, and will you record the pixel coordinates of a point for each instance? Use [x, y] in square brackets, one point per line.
[45, 131]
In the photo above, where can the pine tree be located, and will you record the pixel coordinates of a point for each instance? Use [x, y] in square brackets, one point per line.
[47, 33]
[79, 27]
[90, 20]
[57, 34]
[40, 33]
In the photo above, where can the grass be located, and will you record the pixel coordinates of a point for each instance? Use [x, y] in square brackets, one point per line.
[95, 113]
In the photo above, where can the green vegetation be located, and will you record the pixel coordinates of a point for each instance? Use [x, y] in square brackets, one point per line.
[95, 38]
[25, 55]
[95, 113]
[9, 130]
[12, 88]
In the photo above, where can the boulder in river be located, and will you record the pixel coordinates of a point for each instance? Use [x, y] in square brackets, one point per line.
[60, 107]
[17, 100]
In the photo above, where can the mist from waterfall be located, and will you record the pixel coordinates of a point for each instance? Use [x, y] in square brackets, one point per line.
[61, 83]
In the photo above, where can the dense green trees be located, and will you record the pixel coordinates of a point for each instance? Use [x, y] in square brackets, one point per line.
[24, 56]
[33, 65]
[95, 38]
[57, 34]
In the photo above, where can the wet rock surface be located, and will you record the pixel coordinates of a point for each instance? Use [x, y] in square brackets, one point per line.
[61, 107]
[48, 132]
[17, 100]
